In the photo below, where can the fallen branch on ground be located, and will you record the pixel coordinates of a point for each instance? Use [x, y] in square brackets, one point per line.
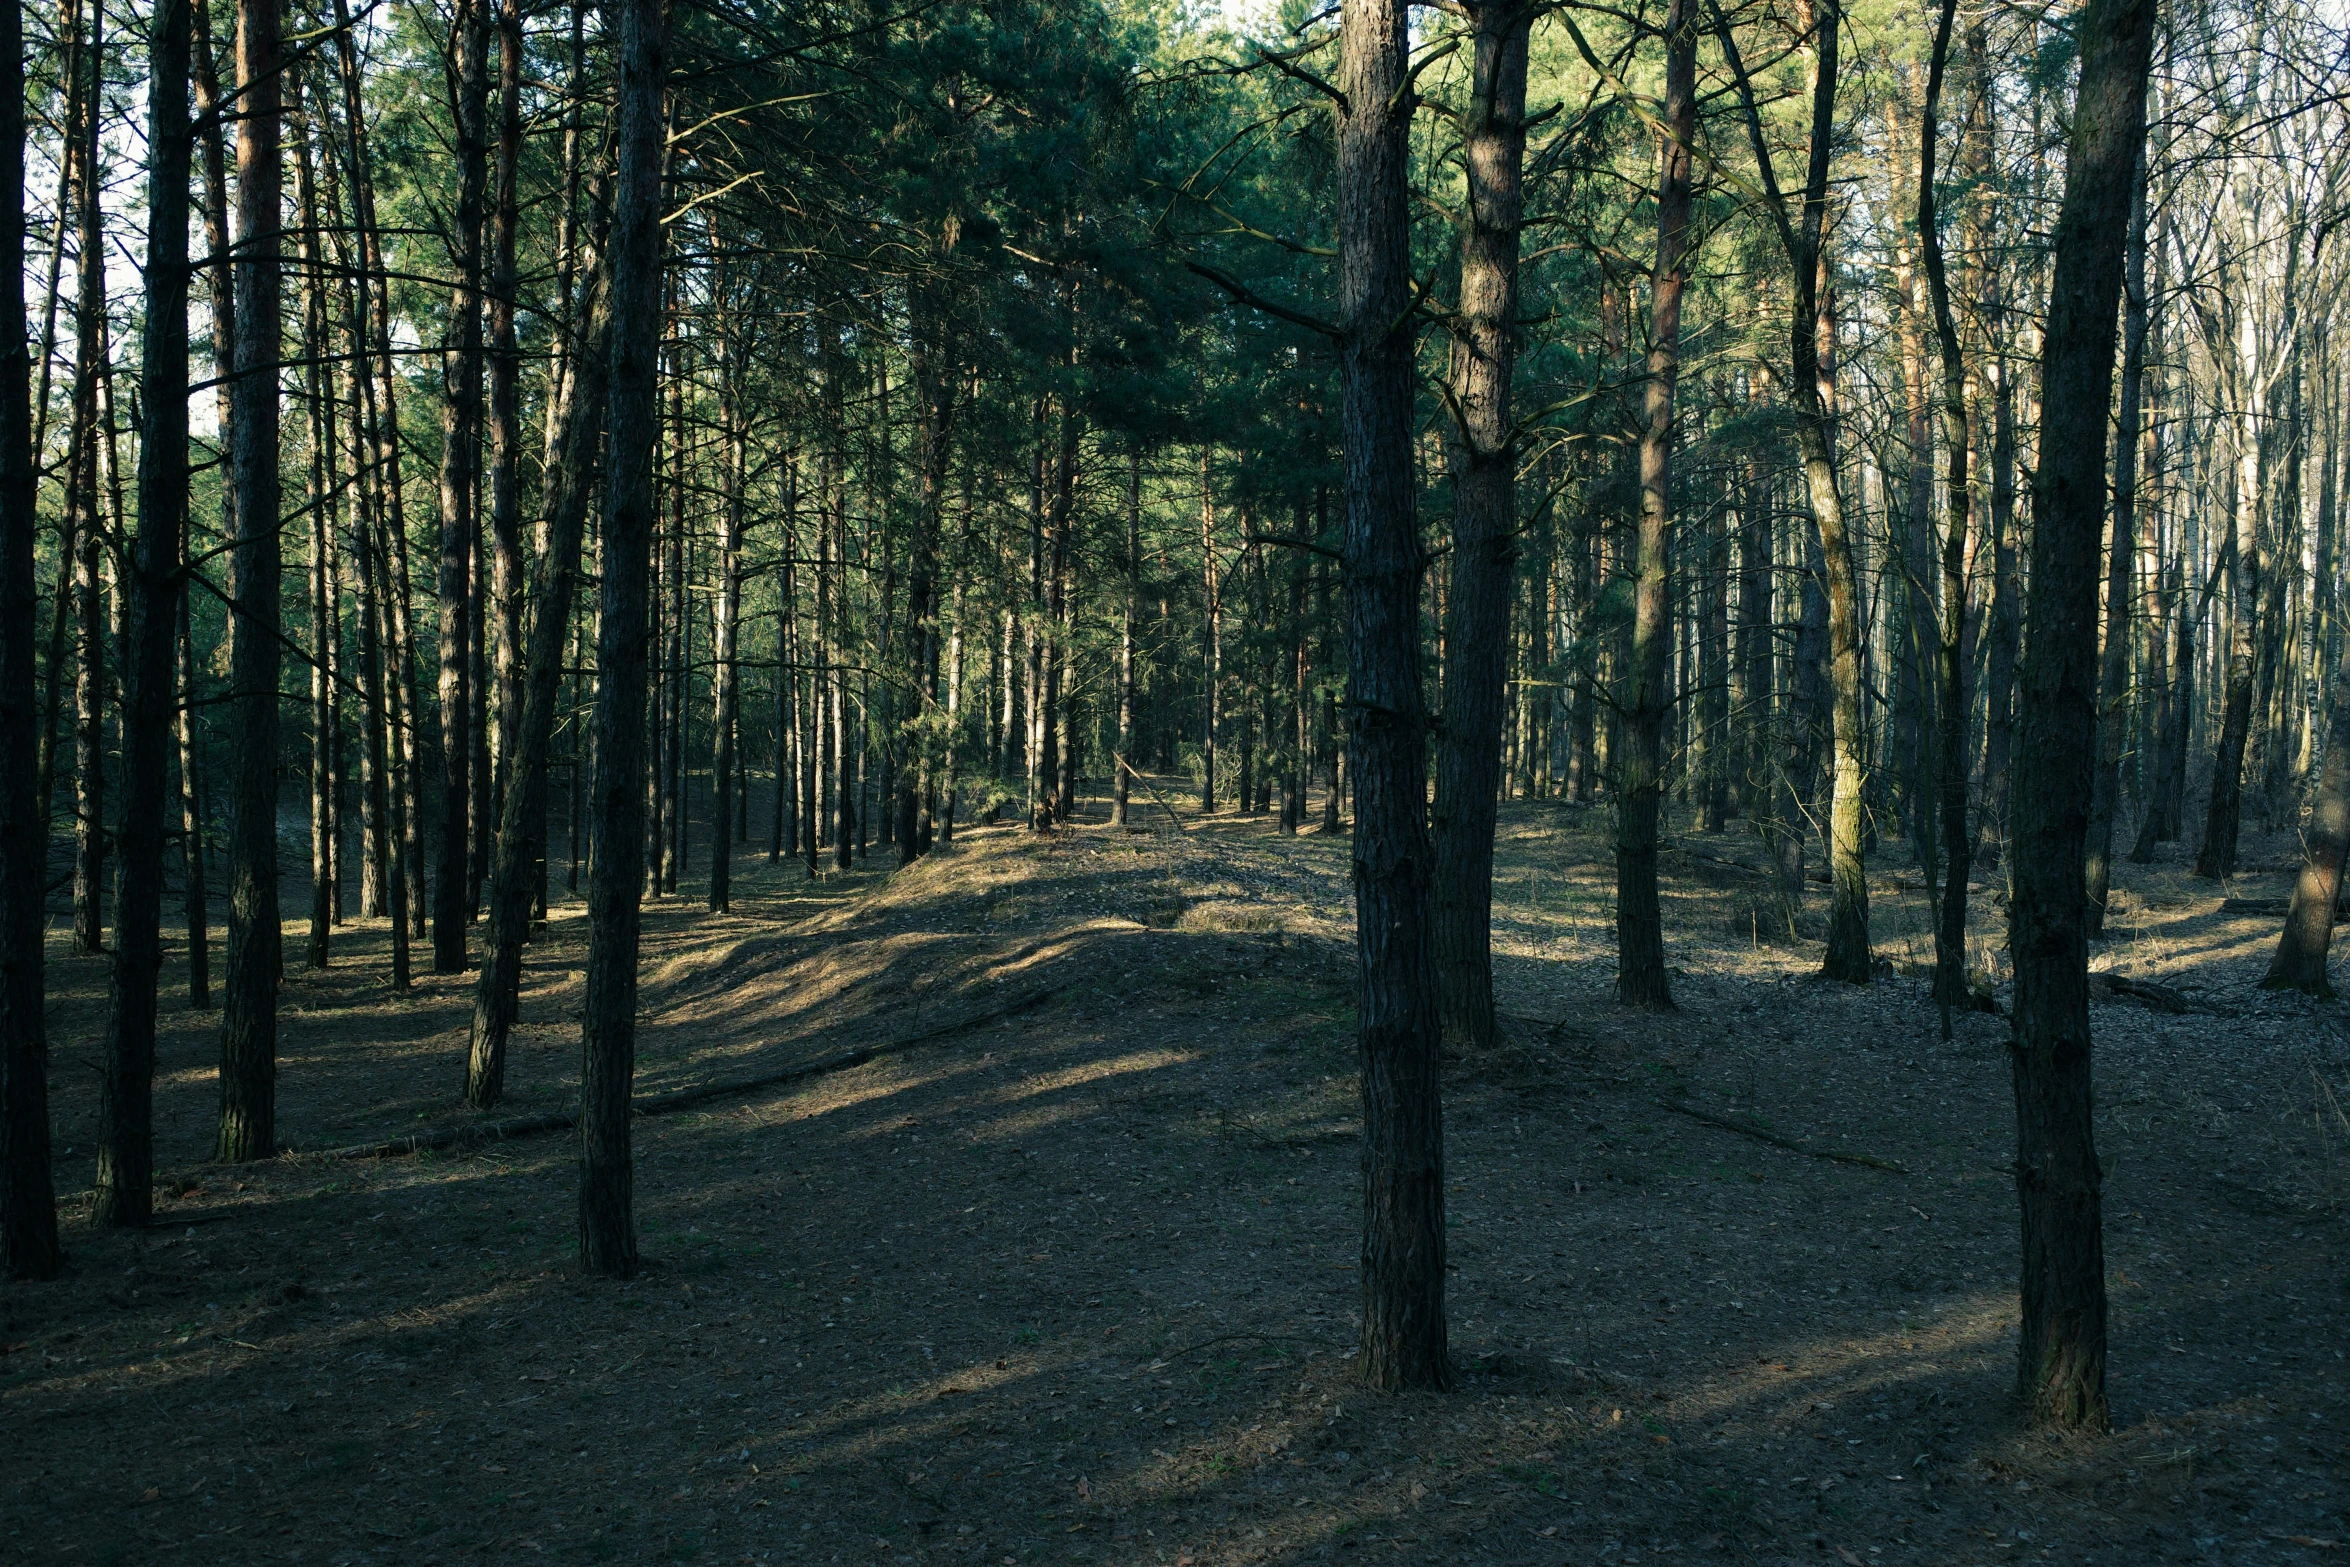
[676, 1099]
[2271, 908]
[1336, 1134]
[2158, 998]
[1792, 1145]
[1135, 773]
[1227, 1338]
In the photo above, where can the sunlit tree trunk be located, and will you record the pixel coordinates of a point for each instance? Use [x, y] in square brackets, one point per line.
[1483, 449]
[1811, 343]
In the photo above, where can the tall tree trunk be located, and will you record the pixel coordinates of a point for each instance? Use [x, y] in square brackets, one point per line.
[844, 762]
[669, 759]
[89, 618]
[607, 1223]
[1711, 766]
[461, 373]
[380, 398]
[248, 1053]
[1123, 783]
[725, 676]
[505, 651]
[937, 378]
[1212, 668]
[320, 502]
[1483, 449]
[2121, 563]
[2172, 669]
[28, 1200]
[787, 680]
[1950, 749]
[2300, 959]
[1404, 1340]
[191, 818]
[522, 809]
[126, 1152]
[1811, 357]
[2215, 857]
[1640, 937]
[2006, 619]
[1301, 729]
[1059, 761]
[951, 784]
[2061, 1349]
[1753, 666]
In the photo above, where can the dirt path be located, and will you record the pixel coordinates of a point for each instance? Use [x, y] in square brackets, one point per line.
[1077, 1284]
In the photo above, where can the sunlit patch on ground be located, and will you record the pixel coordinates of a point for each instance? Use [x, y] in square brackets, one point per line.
[1072, 1280]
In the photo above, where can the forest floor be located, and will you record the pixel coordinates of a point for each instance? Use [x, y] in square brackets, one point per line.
[1075, 1282]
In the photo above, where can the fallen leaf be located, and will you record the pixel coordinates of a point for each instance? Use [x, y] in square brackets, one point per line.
[1849, 1559]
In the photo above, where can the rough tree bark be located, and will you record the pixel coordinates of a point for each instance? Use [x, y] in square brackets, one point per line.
[1483, 449]
[504, 418]
[1803, 238]
[2061, 1347]
[461, 371]
[607, 1224]
[248, 1051]
[192, 822]
[1133, 562]
[725, 672]
[571, 470]
[82, 563]
[1404, 1340]
[1212, 672]
[1950, 749]
[1640, 936]
[2121, 566]
[2006, 618]
[28, 1201]
[154, 583]
[2215, 857]
[319, 505]
[2300, 959]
